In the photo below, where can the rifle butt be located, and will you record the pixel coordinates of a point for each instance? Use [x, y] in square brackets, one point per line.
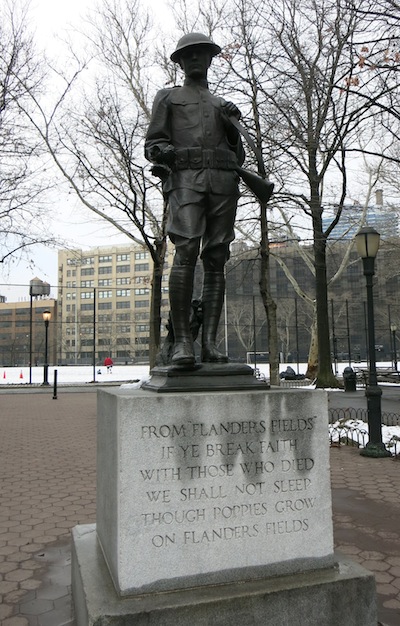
[261, 187]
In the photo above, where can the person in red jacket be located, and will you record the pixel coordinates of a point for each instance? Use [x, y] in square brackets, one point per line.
[108, 362]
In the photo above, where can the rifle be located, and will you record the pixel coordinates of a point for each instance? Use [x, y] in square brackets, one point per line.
[261, 187]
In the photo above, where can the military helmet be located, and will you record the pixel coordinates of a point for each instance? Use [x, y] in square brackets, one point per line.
[194, 39]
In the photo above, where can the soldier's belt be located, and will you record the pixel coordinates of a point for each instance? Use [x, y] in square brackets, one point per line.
[197, 158]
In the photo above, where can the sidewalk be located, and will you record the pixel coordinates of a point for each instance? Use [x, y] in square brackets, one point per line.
[48, 485]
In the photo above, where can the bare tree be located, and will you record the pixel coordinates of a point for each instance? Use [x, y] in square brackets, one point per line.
[22, 162]
[310, 118]
[94, 134]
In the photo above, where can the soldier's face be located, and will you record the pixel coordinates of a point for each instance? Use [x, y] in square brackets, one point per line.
[195, 61]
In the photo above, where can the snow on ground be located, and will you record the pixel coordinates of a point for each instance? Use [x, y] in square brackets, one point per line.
[87, 373]
[70, 374]
[357, 431]
[132, 376]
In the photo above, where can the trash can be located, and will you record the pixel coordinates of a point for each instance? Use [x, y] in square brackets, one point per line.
[349, 379]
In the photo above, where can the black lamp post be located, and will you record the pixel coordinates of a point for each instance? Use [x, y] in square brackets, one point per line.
[35, 290]
[393, 328]
[367, 242]
[46, 318]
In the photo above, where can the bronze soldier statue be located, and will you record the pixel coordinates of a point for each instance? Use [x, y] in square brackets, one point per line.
[197, 149]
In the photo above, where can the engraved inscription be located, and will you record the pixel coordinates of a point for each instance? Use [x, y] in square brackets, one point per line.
[226, 481]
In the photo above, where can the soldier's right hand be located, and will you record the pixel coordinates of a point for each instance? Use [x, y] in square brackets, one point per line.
[168, 155]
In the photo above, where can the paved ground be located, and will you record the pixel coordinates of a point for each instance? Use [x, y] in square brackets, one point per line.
[47, 486]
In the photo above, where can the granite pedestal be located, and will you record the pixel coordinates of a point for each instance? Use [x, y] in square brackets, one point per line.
[214, 505]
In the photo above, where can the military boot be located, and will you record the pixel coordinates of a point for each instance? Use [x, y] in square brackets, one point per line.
[212, 301]
[180, 296]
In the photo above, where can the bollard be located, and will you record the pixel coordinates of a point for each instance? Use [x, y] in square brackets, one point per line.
[55, 385]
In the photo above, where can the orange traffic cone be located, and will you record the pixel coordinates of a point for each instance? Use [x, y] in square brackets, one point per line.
[21, 375]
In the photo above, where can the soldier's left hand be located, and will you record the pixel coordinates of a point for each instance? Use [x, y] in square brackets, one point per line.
[231, 110]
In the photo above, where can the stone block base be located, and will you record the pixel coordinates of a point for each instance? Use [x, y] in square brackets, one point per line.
[339, 596]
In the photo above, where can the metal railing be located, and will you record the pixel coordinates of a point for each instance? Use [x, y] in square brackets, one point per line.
[347, 427]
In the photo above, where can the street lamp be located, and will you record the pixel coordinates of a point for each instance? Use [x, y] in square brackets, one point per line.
[393, 328]
[46, 318]
[367, 243]
[37, 288]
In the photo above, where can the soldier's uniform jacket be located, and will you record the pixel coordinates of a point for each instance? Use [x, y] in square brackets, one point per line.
[190, 119]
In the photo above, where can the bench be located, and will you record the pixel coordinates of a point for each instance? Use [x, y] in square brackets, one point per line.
[383, 375]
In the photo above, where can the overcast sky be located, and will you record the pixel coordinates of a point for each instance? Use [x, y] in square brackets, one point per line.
[50, 20]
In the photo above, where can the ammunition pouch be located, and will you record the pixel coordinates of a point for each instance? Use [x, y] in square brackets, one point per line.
[198, 159]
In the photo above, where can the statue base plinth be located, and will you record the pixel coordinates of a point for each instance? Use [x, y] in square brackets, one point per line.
[204, 377]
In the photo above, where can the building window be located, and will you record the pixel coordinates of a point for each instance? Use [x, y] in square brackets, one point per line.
[141, 255]
[87, 307]
[105, 294]
[123, 257]
[123, 317]
[123, 329]
[142, 328]
[106, 269]
[124, 304]
[143, 315]
[142, 267]
[122, 269]
[123, 353]
[141, 304]
[105, 258]
[105, 305]
[123, 293]
[87, 330]
[141, 340]
[87, 271]
[87, 295]
[104, 330]
[105, 282]
[125, 280]
[85, 283]
[143, 291]
[86, 342]
[105, 317]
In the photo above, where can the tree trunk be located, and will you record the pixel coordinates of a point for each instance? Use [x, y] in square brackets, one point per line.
[156, 296]
[325, 377]
[268, 301]
[312, 366]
